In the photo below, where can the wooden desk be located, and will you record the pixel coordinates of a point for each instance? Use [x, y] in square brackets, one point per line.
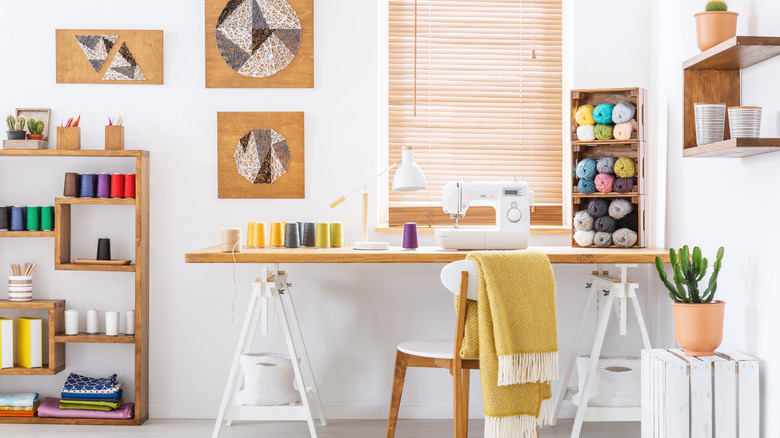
[427, 254]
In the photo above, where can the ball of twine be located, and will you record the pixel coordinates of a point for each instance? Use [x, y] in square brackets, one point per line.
[603, 113]
[586, 186]
[586, 168]
[584, 238]
[624, 238]
[586, 133]
[605, 224]
[584, 115]
[623, 112]
[623, 185]
[620, 207]
[603, 132]
[630, 221]
[606, 165]
[583, 221]
[598, 207]
[604, 182]
[622, 131]
[603, 240]
[625, 167]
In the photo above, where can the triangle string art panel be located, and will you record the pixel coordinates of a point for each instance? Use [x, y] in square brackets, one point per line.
[124, 67]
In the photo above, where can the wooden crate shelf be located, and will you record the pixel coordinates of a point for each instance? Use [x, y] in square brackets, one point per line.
[97, 338]
[56, 315]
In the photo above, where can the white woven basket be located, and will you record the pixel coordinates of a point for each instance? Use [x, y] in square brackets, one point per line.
[617, 382]
[268, 380]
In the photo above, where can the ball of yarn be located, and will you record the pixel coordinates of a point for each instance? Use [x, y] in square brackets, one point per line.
[624, 238]
[586, 186]
[630, 221]
[598, 207]
[623, 185]
[606, 165]
[625, 167]
[584, 238]
[586, 168]
[585, 133]
[584, 115]
[620, 207]
[622, 131]
[603, 240]
[605, 224]
[603, 132]
[623, 112]
[583, 221]
[604, 182]
[603, 113]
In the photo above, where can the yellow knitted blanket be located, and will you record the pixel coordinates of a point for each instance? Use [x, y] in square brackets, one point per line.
[512, 329]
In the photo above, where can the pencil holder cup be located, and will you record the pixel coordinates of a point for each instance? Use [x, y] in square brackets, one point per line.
[68, 138]
[115, 137]
[19, 288]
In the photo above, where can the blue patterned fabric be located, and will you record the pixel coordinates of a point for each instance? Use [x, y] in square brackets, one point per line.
[82, 384]
[25, 400]
[92, 397]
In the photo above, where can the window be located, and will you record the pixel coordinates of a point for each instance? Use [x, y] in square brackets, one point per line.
[475, 86]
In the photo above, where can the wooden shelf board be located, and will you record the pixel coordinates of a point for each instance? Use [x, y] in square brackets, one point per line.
[734, 148]
[85, 421]
[96, 201]
[22, 371]
[26, 233]
[32, 304]
[606, 195]
[99, 338]
[735, 54]
[632, 141]
[605, 90]
[72, 153]
[84, 267]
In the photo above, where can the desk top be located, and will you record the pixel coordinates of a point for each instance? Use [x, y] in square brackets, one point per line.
[427, 254]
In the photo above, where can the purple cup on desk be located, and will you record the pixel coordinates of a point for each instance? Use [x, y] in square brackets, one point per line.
[410, 235]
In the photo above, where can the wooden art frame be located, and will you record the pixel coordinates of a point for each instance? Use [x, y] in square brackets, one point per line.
[232, 126]
[299, 73]
[145, 49]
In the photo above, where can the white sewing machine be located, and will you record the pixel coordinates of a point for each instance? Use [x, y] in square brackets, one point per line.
[512, 201]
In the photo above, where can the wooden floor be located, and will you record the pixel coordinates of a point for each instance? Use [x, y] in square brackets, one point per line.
[335, 429]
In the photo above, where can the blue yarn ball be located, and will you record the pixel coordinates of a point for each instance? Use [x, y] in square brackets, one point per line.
[603, 113]
[586, 186]
[623, 112]
[586, 169]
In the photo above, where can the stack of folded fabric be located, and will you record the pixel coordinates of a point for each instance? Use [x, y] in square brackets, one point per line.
[19, 405]
[90, 393]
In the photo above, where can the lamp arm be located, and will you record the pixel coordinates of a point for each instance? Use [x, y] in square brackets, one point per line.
[363, 186]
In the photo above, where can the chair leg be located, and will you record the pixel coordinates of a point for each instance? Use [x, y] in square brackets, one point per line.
[457, 402]
[398, 388]
[464, 400]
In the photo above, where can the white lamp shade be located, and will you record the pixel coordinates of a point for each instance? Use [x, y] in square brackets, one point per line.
[409, 176]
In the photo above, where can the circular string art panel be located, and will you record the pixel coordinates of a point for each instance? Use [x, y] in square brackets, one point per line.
[262, 156]
[258, 38]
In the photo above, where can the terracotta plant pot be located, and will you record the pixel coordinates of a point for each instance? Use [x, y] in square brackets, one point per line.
[712, 28]
[34, 136]
[699, 327]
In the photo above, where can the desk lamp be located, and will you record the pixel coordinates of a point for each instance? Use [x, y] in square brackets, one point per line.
[408, 177]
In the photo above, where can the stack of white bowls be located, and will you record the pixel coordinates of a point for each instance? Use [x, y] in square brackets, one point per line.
[744, 121]
[710, 121]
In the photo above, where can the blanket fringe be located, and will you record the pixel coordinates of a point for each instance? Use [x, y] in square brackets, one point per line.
[516, 426]
[527, 368]
[545, 412]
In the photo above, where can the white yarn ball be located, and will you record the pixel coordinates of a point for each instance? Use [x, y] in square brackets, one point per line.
[584, 238]
[583, 221]
[619, 208]
[586, 133]
[602, 239]
[624, 238]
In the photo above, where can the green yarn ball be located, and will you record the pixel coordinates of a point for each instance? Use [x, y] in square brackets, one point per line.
[716, 6]
[603, 132]
[625, 167]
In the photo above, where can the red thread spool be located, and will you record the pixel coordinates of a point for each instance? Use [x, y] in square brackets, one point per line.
[130, 185]
[117, 185]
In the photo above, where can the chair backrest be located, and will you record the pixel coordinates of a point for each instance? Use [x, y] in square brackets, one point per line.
[451, 275]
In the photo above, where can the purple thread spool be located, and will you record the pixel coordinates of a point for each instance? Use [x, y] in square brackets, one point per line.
[410, 235]
[103, 185]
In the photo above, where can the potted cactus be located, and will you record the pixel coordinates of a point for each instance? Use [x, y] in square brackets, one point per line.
[715, 25]
[15, 127]
[35, 129]
[698, 320]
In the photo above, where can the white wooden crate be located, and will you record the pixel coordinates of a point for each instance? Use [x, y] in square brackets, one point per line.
[699, 397]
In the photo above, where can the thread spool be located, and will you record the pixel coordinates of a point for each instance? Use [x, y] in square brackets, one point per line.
[87, 186]
[117, 185]
[277, 234]
[92, 321]
[322, 238]
[5, 221]
[250, 234]
[112, 323]
[103, 185]
[308, 238]
[129, 182]
[71, 187]
[410, 236]
[17, 218]
[130, 322]
[231, 240]
[104, 249]
[258, 234]
[47, 218]
[336, 234]
[291, 237]
[71, 322]
[33, 218]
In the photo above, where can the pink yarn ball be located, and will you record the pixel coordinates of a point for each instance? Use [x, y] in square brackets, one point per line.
[622, 131]
[604, 182]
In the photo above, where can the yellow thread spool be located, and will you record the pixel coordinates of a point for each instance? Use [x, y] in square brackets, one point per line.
[277, 233]
[259, 234]
[322, 238]
[336, 234]
[250, 234]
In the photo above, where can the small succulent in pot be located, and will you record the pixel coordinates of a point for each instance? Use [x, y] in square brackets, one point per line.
[15, 127]
[35, 129]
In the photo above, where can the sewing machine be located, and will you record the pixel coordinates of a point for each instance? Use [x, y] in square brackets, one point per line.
[512, 202]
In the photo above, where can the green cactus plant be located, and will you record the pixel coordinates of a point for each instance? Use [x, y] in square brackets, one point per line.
[716, 6]
[35, 126]
[20, 122]
[689, 270]
[11, 122]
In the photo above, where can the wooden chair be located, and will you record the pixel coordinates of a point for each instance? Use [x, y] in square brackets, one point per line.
[459, 278]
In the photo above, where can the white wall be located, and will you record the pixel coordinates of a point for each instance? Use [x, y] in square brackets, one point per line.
[353, 315]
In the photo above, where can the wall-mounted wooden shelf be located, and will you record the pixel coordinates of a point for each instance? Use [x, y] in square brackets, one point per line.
[56, 359]
[713, 76]
[96, 201]
[26, 233]
[22, 371]
[98, 338]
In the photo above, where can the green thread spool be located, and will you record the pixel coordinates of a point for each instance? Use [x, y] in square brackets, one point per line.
[47, 218]
[322, 236]
[336, 234]
[33, 218]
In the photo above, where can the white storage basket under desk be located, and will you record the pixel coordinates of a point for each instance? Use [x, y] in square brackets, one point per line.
[699, 396]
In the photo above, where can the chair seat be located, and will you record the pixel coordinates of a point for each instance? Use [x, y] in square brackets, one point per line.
[437, 349]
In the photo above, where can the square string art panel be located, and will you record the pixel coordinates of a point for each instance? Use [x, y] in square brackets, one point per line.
[96, 56]
[259, 43]
[260, 155]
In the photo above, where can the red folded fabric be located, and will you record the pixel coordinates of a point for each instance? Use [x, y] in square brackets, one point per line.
[50, 407]
[17, 413]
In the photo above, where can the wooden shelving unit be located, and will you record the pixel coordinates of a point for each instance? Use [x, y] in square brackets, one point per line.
[713, 76]
[140, 267]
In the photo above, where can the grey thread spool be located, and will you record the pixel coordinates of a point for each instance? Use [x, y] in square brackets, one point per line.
[291, 237]
[309, 234]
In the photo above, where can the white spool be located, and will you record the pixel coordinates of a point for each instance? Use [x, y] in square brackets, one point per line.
[130, 322]
[71, 322]
[268, 380]
[112, 323]
[92, 322]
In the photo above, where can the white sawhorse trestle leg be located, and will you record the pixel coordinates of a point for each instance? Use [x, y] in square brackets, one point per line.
[272, 286]
[610, 290]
